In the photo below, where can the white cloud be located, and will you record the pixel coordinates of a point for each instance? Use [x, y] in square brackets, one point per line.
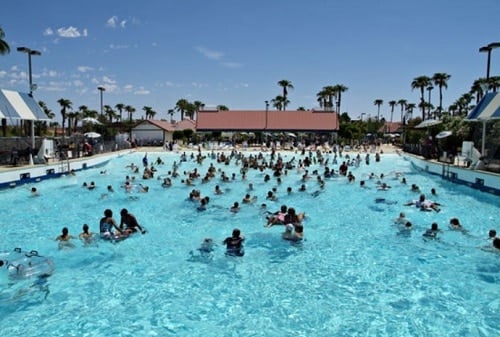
[108, 80]
[3, 73]
[142, 91]
[48, 31]
[71, 32]
[118, 46]
[84, 69]
[78, 83]
[231, 64]
[14, 68]
[112, 21]
[210, 54]
[128, 87]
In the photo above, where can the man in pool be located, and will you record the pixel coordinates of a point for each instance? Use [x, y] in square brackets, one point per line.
[234, 243]
[131, 223]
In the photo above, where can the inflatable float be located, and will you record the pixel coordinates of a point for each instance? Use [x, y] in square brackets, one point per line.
[25, 264]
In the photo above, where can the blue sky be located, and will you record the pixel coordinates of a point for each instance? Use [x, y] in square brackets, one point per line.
[231, 52]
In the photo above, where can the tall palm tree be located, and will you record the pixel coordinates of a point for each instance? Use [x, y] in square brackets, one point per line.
[48, 113]
[4, 46]
[198, 105]
[392, 104]
[130, 111]
[477, 88]
[285, 84]
[323, 97]
[494, 83]
[170, 112]
[339, 89]
[378, 103]
[441, 80]
[147, 111]
[110, 113]
[120, 107]
[66, 105]
[402, 103]
[421, 82]
[182, 106]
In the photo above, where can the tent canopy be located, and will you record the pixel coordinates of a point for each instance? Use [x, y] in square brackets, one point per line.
[487, 109]
[16, 105]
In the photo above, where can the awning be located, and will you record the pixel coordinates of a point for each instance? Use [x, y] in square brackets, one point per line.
[16, 105]
[487, 109]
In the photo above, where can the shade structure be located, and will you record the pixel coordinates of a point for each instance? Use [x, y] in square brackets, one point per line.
[91, 120]
[444, 134]
[17, 105]
[92, 135]
[428, 123]
[487, 109]
[290, 134]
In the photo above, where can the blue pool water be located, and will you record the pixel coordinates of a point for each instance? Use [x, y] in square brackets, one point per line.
[356, 273]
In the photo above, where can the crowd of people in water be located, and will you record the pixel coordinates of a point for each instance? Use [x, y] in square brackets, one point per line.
[309, 166]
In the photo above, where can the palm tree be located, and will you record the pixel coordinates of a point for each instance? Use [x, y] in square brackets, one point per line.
[182, 106]
[494, 83]
[65, 106]
[279, 102]
[170, 112]
[339, 89]
[148, 111]
[198, 105]
[4, 46]
[402, 103]
[120, 107]
[130, 111]
[323, 96]
[441, 80]
[222, 108]
[285, 84]
[477, 88]
[378, 103]
[421, 82]
[392, 104]
[48, 113]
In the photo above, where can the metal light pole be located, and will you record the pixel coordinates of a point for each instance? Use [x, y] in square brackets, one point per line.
[30, 52]
[487, 49]
[101, 89]
[429, 89]
[267, 110]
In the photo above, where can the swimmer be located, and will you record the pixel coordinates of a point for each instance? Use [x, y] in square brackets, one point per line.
[234, 243]
[106, 226]
[496, 243]
[131, 223]
[86, 236]
[235, 208]
[455, 224]
[432, 232]
[492, 234]
[34, 192]
[64, 239]
[401, 219]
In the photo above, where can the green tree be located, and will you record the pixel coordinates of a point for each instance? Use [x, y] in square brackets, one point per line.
[421, 82]
[170, 112]
[285, 84]
[378, 103]
[66, 105]
[323, 98]
[120, 107]
[392, 104]
[4, 46]
[441, 80]
[402, 103]
[279, 102]
[222, 107]
[339, 89]
[130, 111]
[198, 105]
[181, 106]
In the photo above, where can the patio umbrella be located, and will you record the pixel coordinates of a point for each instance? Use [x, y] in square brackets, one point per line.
[92, 134]
[444, 134]
[91, 120]
[428, 123]
[290, 134]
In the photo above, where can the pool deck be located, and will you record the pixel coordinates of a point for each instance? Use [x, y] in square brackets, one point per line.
[12, 176]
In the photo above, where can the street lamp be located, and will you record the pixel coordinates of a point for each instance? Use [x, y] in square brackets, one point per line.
[429, 89]
[101, 89]
[267, 110]
[487, 49]
[30, 52]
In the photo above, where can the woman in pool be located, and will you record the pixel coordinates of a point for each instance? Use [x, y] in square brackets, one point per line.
[106, 226]
[64, 239]
[234, 244]
[86, 236]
